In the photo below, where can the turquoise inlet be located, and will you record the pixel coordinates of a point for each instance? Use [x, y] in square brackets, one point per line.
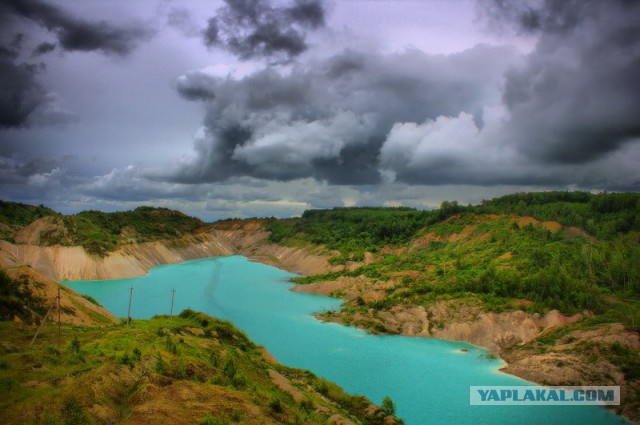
[428, 379]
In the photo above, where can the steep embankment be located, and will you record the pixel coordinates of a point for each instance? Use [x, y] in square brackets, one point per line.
[185, 370]
[74, 263]
[34, 294]
[455, 321]
[248, 238]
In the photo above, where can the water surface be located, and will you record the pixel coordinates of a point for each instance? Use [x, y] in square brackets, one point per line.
[428, 379]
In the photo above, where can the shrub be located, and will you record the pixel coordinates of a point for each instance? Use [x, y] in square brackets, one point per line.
[161, 364]
[275, 404]
[72, 412]
[230, 369]
[75, 345]
[388, 406]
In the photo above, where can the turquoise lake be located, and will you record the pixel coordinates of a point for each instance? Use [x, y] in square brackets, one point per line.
[428, 379]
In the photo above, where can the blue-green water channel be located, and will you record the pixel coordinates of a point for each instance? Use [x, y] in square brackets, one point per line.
[428, 379]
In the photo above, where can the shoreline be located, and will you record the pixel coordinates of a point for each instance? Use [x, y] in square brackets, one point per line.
[251, 242]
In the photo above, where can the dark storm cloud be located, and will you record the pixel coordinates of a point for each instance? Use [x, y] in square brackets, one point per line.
[257, 29]
[43, 48]
[75, 34]
[306, 12]
[329, 120]
[196, 86]
[16, 169]
[570, 109]
[20, 93]
[577, 96]
[23, 99]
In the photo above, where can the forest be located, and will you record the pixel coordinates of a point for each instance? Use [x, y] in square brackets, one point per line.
[503, 257]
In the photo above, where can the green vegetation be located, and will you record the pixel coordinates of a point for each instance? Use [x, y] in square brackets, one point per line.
[18, 215]
[91, 300]
[99, 232]
[487, 254]
[353, 231]
[604, 215]
[388, 406]
[16, 299]
[133, 374]
[14, 216]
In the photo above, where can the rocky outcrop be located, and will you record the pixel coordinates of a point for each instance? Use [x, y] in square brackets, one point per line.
[593, 356]
[458, 321]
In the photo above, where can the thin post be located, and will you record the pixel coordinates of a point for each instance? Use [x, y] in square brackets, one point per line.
[59, 325]
[129, 312]
[44, 319]
[173, 295]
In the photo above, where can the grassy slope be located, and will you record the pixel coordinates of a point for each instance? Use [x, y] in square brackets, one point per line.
[182, 370]
[26, 295]
[99, 232]
[186, 369]
[15, 215]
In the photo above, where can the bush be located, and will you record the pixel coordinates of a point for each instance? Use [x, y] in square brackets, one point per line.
[388, 406]
[72, 412]
[75, 345]
[275, 404]
[137, 354]
[161, 364]
[91, 300]
[171, 346]
[230, 369]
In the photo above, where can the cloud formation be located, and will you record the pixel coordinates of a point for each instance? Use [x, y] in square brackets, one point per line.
[577, 95]
[258, 29]
[24, 101]
[181, 19]
[20, 93]
[328, 120]
[43, 48]
[297, 125]
[75, 34]
[485, 116]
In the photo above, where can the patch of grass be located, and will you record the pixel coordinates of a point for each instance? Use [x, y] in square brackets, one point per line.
[91, 300]
[119, 362]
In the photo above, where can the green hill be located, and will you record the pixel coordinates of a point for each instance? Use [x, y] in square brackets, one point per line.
[98, 232]
[187, 369]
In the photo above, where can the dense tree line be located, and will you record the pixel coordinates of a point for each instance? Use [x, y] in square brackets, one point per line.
[353, 231]
[604, 215]
[100, 232]
[555, 270]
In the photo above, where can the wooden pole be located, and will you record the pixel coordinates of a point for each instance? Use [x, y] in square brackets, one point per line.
[59, 323]
[173, 295]
[129, 312]
[44, 319]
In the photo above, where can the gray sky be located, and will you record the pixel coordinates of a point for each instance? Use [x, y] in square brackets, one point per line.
[244, 108]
